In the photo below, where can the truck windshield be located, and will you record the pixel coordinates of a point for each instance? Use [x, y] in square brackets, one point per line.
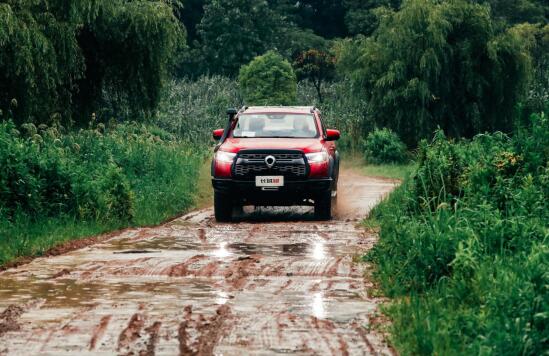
[276, 125]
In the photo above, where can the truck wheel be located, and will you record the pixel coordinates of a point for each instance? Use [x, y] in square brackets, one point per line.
[323, 206]
[223, 207]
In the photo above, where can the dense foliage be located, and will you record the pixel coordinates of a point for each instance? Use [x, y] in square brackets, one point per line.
[233, 32]
[58, 58]
[119, 175]
[315, 66]
[518, 11]
[465, 238]
[384, 146]
[362, 16]
[268, 80]
[452, 79]
[192, 109]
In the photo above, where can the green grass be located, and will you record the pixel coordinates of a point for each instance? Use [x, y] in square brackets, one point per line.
[204, 189]
[463, 249]
[56, 187]
[154, 205]
[23, 239]
[393, 171]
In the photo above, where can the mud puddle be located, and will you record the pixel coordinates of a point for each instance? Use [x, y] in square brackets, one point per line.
[274, 282]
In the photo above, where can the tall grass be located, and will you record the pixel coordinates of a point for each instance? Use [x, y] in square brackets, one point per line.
[192, 109]
[464, 247]
[341, 110]
[57, 185]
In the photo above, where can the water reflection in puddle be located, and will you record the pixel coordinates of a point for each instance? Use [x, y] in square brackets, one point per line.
[221, 298]
[317, 306]
[222, 252]
[318, 252]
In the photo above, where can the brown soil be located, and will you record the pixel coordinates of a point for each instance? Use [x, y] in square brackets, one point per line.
[275, 281]
[9, 319]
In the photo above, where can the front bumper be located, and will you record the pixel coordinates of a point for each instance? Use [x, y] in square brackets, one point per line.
[292, 193]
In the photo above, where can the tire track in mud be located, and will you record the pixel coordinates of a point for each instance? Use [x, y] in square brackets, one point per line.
[274, 282]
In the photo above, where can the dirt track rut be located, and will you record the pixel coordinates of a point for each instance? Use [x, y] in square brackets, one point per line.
[275, 282]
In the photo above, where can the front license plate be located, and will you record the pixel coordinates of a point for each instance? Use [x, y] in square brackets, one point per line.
[269, 181]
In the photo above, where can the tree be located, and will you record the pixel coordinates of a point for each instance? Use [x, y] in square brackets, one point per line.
[294, 40]
[59, 58]
[130, 49]
[317, 66]
[190, 14]
[361, 15]
[268, 80]
[438, 64]
[325, 17]
[232, 32]
[536, 38]
[519, 11]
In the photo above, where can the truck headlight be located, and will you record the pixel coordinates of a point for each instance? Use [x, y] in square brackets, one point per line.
[227, 157]
[317, 157]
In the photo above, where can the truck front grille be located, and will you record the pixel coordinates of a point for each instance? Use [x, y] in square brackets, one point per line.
[249, 164]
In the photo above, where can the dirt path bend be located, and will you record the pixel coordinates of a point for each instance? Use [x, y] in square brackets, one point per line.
[276, 282]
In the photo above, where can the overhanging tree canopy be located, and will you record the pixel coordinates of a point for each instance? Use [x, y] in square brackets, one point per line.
[57, 58]
[438, 64]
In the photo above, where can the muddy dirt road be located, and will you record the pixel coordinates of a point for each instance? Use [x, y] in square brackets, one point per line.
[276, 282]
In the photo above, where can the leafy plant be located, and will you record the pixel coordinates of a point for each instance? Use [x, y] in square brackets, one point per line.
[384, 146]
[268, 80]
[101, 177]
[463, 246]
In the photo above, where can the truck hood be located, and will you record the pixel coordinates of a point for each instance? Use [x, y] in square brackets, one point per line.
[306, 145]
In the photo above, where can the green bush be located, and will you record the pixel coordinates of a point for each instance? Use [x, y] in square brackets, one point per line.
[268, 80]
[384, 146]
[463, 246]
[101, 176]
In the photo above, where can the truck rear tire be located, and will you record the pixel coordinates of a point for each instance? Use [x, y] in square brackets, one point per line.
[323, 206]
[223, 207]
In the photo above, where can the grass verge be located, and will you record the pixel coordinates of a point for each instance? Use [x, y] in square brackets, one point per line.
[463, 247]
[354, 161]
[56, 187]
[393, 171]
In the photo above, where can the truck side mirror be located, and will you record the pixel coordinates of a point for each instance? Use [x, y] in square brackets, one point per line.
[332, 135]
[217, 134]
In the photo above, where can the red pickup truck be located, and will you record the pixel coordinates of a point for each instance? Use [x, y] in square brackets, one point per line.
[271, 156]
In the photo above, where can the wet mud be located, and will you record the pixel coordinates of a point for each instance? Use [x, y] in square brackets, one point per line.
[274, 282]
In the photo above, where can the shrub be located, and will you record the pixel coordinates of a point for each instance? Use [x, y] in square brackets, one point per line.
[384, 146]
[463, 246]
[268, 80]
[57, 185]
[94, 174]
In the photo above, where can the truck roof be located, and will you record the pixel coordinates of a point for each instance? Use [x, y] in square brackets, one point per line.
[279, 109]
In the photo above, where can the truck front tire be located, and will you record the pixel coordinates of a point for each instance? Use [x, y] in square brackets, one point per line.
[323, 206]
[223, 207]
